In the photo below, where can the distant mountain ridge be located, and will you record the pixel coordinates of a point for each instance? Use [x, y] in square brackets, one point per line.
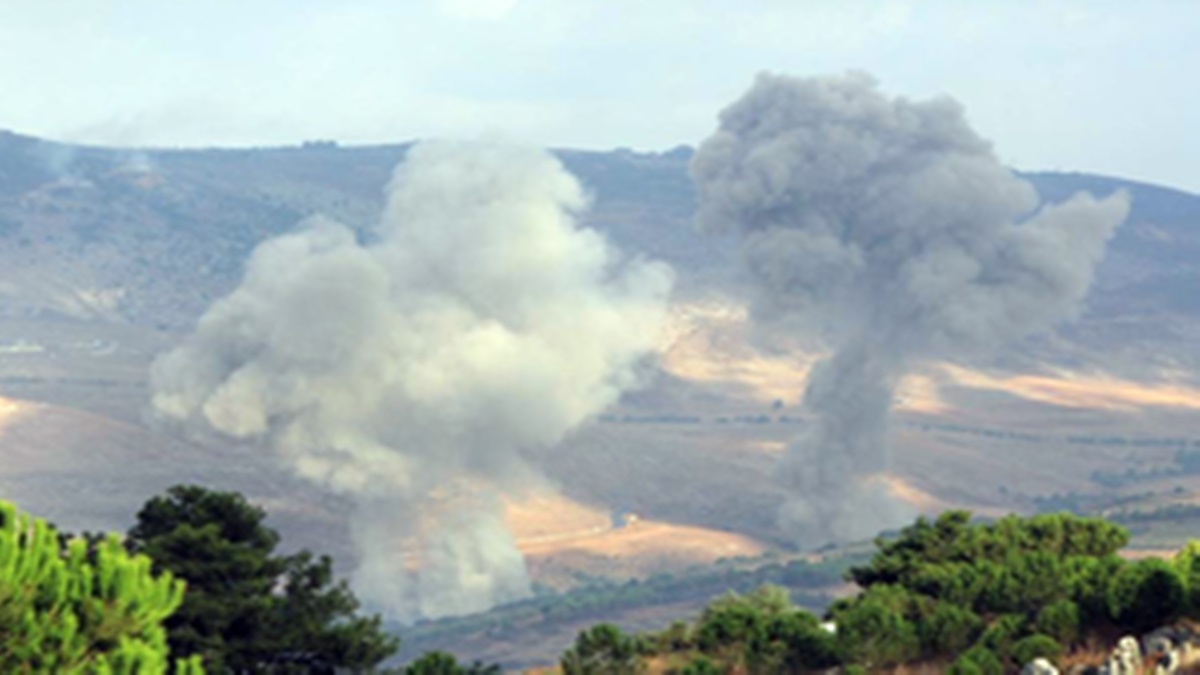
[151, 237]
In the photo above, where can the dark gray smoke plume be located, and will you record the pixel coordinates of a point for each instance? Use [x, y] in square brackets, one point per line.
[417, 373]
[889, 227]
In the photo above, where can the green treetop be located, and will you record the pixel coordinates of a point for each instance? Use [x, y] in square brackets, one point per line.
[248, 610]
[79, 610]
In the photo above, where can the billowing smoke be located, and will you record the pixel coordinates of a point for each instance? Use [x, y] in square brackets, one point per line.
[888, 228]
[418, 373]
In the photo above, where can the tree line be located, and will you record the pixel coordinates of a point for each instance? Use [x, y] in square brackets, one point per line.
[197, 586]
[980, 598]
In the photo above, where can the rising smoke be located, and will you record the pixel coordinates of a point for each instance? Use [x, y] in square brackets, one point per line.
[417, 373]
[889, 228]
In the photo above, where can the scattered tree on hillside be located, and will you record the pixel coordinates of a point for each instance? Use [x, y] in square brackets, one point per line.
[603, 650]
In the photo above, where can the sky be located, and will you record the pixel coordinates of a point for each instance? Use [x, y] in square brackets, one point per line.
[1103, 86]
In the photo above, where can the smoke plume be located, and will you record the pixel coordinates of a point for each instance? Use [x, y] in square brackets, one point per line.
[889, 228]
[418, 373]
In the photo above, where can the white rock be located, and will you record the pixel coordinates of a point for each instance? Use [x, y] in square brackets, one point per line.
[1039, 666]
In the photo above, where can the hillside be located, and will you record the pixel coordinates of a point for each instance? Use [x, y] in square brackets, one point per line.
[110, 255]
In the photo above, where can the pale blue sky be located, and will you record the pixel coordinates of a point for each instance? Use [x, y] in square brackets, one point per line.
[1091, 85]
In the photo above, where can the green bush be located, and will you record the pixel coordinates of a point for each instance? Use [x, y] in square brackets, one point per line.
[791, 642]
[949, 629]
[1145, 595]
[977, 661]
[602, 650]
[1002, 634]
[1060, 621]
[1036, 647]
[874, 631]
[727, 626]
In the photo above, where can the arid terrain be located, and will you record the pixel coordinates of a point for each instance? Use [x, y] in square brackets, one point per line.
[109, 256]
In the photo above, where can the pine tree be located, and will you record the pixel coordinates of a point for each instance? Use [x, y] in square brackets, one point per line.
[86, 609]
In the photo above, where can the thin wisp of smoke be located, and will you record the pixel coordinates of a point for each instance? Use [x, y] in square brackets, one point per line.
[889, 228]
[417, 373]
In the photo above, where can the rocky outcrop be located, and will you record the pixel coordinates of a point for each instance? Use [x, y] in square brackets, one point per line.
[1126, 658]
[1163, 652]
[1167, 649]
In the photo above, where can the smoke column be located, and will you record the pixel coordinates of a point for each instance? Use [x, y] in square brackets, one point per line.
[888, 228]
[419, 372]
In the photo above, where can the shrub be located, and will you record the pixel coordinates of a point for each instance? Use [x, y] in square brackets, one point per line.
[977, 661]
[1060, 621]
[1004, 632]
[949, 629]
[602, 650]
[873, 631]
[701, 665]
[1036, 647]
[1145, 595]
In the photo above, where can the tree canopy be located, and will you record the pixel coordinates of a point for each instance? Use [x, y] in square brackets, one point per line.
[248, 609]
[985, 597]
[88, 609]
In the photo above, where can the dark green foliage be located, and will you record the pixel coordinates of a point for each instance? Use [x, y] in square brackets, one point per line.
[1090, 579]
[602, 650]
[962, 583]
[988, 598]
[215, 542]
[796, 641]
[1025, 583]
[1002, 634]
[1146, 595]
[873, 629]
[701, 665]
[1036, 646]
[952, 539]
[247, 609]
[1060, 621]
[730, 625]
[977, 661]
[949, 629]
[675, 638]
[319, 616]
[434, 663]
[733, 620]
[766, 633]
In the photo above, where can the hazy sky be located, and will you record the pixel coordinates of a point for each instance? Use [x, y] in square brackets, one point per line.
[1093, 85]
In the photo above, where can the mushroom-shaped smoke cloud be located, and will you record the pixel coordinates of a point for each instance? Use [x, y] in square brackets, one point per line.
[418, 372]
[888, 227]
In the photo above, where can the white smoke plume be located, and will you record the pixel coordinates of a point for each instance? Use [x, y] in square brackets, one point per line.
[418, 373]
[887, 227]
